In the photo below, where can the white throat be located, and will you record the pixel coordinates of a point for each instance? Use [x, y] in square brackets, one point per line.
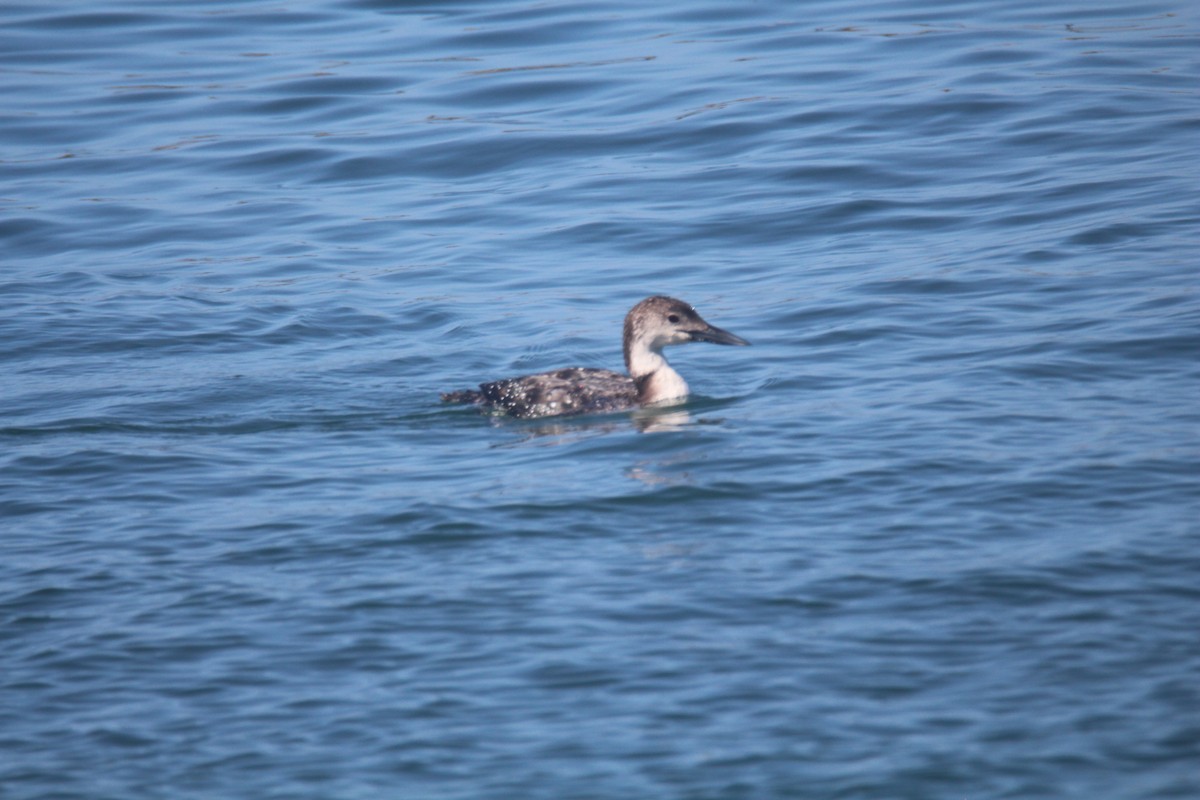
[657, 382]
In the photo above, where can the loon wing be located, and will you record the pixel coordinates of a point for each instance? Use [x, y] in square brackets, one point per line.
[563, 392]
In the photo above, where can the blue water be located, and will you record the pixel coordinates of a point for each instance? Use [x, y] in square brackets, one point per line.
[935, 535]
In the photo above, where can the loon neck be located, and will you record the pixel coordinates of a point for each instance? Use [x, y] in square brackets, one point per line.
[656, 381]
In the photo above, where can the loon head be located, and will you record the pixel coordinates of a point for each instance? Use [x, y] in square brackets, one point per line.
[655, 323]
[659, 321]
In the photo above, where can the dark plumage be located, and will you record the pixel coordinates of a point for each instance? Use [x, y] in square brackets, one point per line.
[575, 390]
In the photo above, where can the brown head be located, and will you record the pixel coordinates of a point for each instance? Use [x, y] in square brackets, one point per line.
[659, 321]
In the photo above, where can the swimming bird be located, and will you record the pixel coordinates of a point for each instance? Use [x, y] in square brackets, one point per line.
[651, 325]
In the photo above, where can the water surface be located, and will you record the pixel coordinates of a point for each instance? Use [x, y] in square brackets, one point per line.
[934, 535]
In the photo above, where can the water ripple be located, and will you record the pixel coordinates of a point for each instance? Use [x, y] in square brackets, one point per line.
[944, 509]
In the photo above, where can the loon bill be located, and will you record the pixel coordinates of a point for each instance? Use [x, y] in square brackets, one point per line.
[650, 326]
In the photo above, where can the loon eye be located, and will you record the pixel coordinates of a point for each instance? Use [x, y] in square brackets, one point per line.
[672, 318]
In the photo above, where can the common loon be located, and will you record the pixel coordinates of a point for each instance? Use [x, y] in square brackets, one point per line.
[650, 326]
